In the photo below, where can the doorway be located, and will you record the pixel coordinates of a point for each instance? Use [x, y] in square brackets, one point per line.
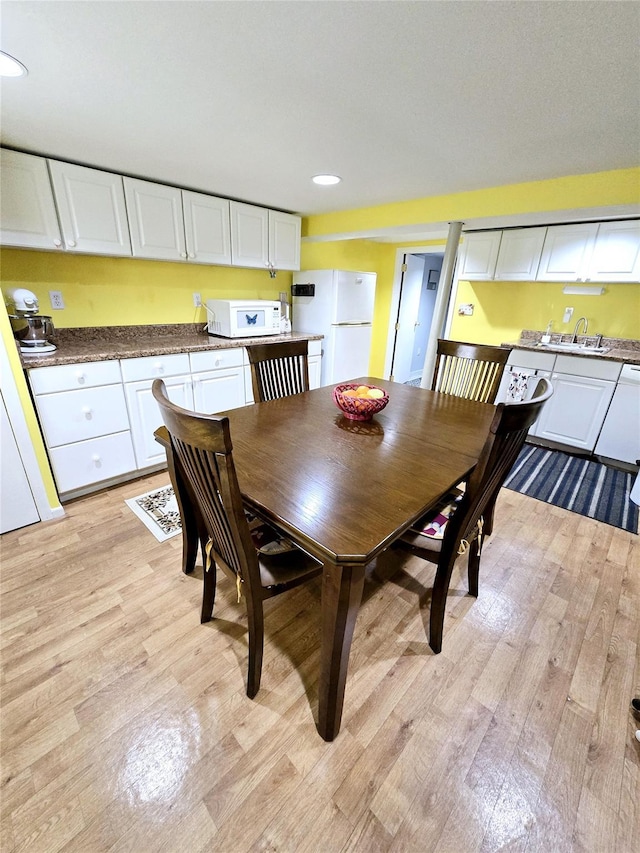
[413, 303]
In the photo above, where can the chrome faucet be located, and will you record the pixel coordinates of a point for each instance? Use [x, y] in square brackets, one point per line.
[574, 339]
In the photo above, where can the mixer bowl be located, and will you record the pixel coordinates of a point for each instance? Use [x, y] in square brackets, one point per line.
[33, 330]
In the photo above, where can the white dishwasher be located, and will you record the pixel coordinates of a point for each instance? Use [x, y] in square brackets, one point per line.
[620, 434]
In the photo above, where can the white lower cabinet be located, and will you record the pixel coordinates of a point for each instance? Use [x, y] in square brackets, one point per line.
[218, 380]
[582, 391]
[620, 435]
[98, 418]
[145, 417]
[575, 413]
[84, 422]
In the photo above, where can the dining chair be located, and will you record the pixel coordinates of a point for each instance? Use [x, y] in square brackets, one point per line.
[472, 371]
[240, 546]
[278, 369]
[464, 519]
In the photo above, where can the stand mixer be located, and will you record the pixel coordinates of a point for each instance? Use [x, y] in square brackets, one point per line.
[33, 331]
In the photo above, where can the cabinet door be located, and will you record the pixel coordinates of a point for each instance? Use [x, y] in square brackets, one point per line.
[28, 214]
[249, 235]
[145, 416]
[480, 253]
[207, 228]
[519, 255]
[315, 367]
[284, 240]
[616, 255]
[155, 220]
[566, 252]
[91, 208]
[575, 413]
[620, 436]
[218, 390]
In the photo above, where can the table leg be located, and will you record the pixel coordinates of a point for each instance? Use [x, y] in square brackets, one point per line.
[341, 596]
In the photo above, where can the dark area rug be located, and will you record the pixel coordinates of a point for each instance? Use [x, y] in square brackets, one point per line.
[580, 485]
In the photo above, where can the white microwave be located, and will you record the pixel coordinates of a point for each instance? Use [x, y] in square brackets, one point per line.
[243, 318]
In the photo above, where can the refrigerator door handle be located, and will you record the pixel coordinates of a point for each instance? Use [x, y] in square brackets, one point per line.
[350, 324]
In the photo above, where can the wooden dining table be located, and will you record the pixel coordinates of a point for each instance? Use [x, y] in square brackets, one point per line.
[345, 490]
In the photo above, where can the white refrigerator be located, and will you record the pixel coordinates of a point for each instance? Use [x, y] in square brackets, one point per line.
[339, 305]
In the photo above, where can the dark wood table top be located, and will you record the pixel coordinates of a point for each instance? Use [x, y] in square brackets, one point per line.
[347, 489]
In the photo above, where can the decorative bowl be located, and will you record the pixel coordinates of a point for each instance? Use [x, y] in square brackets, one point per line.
[359, 408]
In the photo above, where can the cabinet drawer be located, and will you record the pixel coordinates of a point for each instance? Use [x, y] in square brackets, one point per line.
[532, 359]
[86, 462]
[593, 368]
[315, 348]
[217, 358]
[70, 416]
[630, 374]
[66, 377]
[154, 367]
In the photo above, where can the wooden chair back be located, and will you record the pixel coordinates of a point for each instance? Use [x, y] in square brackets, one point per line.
[202, 452]
[472, 371]
[278, 369]
[506, 437]
[473, 517]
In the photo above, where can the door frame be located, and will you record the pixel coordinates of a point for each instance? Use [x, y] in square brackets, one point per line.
[395, 297]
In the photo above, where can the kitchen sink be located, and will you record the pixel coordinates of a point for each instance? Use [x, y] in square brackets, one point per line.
[569, 347]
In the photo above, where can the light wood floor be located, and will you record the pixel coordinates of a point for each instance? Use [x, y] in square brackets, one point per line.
[125, 726]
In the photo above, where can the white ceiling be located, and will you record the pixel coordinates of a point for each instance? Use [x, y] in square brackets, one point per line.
[402, 99]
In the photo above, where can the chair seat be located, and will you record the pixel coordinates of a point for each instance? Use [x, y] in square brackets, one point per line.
[285, 569]
[427, 533]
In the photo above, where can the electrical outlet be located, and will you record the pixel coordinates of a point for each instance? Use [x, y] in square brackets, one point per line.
[568, 314]
[197, 300]
[55, 297]
[283, 296]
[465, 309]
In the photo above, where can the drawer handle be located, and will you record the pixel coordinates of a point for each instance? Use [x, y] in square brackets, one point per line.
[80, 376]
[97, 460]
[159, 367]
[87, 410]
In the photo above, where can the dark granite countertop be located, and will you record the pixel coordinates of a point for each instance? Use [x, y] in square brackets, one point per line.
[619, 349]
[114, 342]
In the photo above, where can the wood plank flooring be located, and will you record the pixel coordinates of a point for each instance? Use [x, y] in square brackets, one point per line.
[125, 726]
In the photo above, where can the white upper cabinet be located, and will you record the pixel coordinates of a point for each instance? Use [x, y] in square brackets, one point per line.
[479, 255]
[284, 240]
[155, 220]
[519, 255]
[28, 213]
[249, 235]
[567, 251]
[207, 228]
[605, 251]
[264, 238]
[616, 254]
[92, 210]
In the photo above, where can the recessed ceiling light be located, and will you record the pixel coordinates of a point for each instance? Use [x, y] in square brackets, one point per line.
[10, 67]
[326, 180]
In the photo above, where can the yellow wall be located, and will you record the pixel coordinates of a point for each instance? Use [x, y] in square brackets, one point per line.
[599, 189]
[503, 308]
[126, 291]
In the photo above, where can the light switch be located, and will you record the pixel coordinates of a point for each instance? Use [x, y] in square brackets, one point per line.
[568, 314]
